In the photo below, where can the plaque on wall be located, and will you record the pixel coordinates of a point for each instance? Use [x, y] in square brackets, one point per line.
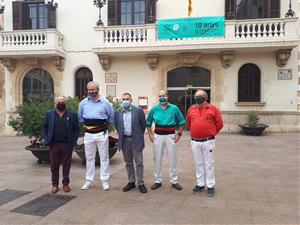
[110, 77]
[285, 74]
[111, 90]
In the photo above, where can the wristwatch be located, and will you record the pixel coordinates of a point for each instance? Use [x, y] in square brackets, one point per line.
[179, 133]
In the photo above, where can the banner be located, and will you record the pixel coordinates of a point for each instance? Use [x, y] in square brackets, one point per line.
[190, 27]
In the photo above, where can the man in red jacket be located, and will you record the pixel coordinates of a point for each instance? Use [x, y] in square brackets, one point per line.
[204, 121]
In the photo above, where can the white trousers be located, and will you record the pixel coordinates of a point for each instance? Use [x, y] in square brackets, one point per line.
[92, 142]
[204, 162]
[161, 142]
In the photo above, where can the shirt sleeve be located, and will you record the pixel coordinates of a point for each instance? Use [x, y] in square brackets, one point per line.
[188, 118]
[149, 120]
[110, 112]
[80, 112]
[218, 120]
[179, 117]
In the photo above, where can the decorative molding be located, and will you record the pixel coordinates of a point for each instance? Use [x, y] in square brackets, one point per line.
[32, 61]
[105, 61]
[152, 60]
[227, 58]
[189, 58]
[60, 63]
[9, 63]
[250, 103]
[282, 56]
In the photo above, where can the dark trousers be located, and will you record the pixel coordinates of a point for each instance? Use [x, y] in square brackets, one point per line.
[60, 153]
[129, 156]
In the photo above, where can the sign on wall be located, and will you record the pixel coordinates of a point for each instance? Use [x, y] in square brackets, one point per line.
[190, 27]
[285, 74]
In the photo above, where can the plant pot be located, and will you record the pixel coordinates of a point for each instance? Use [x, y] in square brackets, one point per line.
[113, 148]
[254, 131]
[40, 152]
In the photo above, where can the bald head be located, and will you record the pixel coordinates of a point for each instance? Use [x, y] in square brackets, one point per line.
[60, 99]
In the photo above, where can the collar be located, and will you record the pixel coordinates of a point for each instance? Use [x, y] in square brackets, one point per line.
[126, 110]
[98, 100]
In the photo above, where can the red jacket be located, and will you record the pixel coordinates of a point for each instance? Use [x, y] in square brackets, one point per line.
[204, 121]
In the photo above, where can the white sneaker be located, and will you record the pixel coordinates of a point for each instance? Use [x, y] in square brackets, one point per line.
[86, 185]
[105, 186]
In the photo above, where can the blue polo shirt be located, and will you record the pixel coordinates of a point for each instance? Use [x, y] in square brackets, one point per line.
[101, 109]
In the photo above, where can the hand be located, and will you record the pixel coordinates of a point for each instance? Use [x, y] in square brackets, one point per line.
[151, 137]
[176, 138]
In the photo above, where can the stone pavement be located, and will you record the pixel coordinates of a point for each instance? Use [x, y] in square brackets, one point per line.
[257, 182]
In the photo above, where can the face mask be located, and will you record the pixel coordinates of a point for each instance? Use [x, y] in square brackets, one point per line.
[162, 99]
[61, 106]
[93, 94]
[199, 100]
[126, 104]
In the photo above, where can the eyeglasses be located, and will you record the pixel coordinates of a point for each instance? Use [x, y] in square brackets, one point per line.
[125, 99]
[161, 96]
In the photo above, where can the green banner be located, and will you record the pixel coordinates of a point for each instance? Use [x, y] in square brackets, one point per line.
[191, 27]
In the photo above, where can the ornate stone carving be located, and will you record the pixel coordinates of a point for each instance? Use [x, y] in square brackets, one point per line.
[152, 60]
[189, 58]
[282, 56]
[105, 61]
[60, 63]
[9, 63]
[227, 58]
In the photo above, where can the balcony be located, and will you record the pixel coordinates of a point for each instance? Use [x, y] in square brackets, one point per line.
[31, 43]
[240, 35]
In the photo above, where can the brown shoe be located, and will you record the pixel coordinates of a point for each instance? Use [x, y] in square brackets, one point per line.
[177, 186]
[54, 189]
[66, 188]
[155, 186]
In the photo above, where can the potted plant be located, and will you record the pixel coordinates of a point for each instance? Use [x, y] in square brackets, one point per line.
[253, 126]
[27, 122]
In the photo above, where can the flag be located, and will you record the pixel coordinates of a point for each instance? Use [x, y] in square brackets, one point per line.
[190, 8]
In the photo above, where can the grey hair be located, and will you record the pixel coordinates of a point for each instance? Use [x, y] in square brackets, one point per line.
[60, 96]
[94, 83]
[201, 90]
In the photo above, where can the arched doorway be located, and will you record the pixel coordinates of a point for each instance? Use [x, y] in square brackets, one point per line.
[38, 85]
[82, 77]
[183, 82]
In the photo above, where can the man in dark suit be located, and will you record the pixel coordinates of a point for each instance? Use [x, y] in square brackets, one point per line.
[130, 123]
[60, 130]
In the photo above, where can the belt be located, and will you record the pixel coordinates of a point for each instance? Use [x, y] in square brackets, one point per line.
[203, 139]
[127, 136]
[97, 132]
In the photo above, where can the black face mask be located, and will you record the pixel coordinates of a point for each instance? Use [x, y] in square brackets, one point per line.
[61, 106]
[93, 94]
[199, 100]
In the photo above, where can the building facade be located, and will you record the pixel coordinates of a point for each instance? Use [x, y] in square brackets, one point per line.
[56, 49]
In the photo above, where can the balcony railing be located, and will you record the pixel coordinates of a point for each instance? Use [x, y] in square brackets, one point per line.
[116, 38]
[31, 42]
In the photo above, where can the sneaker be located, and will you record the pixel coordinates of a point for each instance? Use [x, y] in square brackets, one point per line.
[86, 185]
[142, 188]
[177, 187]
[210, 192]
[128, 187]
[198, 189]
[155, 186]
[105, 186]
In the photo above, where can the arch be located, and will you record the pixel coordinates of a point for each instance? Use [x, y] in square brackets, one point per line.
[38, 84]
[83, 75]
[249, 83]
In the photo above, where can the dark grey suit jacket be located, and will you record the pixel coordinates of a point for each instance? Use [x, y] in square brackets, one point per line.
[138, 125]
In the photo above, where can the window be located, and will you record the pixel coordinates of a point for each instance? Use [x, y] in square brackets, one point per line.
[252, 9]
[38, 84]
[82, 77]
[132, 12]
[128, 12]
[33, 15]
[249, 83]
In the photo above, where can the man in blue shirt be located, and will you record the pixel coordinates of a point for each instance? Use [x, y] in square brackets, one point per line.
[96, 113]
